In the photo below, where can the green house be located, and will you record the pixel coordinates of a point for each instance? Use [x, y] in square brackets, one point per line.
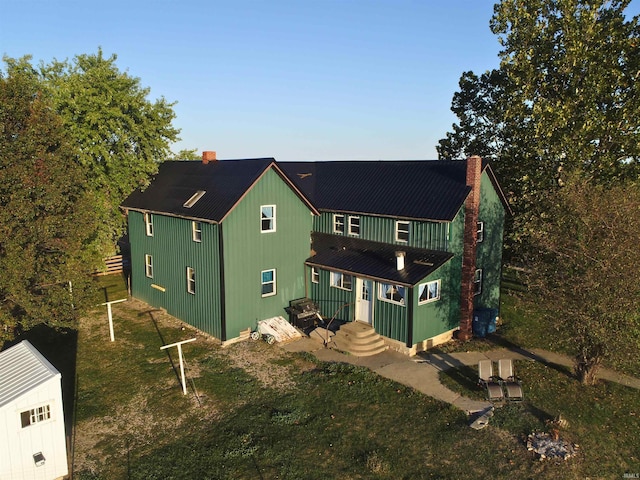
[220, 245]
[411, 248]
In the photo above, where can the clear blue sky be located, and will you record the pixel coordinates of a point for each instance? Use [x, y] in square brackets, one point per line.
[290, 79]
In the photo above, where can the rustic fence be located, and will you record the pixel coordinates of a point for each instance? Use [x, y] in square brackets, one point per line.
[114, 264]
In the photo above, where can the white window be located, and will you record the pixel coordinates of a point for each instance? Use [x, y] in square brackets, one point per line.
[148, 265]
[354, 226]
[267, 218]
[315, 275]
[148, 222]
[391, 293]
[402, 231]
[477, 282]
[341, 280]
[268, 280]
[196, 231]
[191, 280]
[35, 415]
[338, 223]
[428, 292]
[479, 232]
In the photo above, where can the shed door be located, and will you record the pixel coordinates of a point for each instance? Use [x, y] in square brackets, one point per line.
[364, 300]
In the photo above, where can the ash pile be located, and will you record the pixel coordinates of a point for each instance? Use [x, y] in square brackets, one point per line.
[550, 446]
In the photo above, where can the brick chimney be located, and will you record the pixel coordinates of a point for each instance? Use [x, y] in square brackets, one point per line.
[472, 207]
[208, 156]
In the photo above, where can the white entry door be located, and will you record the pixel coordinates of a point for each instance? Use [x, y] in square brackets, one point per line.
[364, 300]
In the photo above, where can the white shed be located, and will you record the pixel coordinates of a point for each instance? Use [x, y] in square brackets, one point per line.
[32, 436]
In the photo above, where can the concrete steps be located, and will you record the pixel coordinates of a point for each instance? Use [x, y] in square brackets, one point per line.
[359, 339]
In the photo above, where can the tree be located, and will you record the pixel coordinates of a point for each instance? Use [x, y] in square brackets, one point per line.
[572, 67]
[46, 214]
[565, 99]
[121, 135]
[586, 271]
[186, 154]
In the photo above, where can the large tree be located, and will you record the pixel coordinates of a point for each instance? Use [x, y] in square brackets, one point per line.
[47, 225]
[120, 133]
[586, 271]
[565, 99]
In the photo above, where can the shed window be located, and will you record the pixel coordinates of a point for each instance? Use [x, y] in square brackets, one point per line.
[428, 292]
[148, 223]
[477, 282]
[479, 232]
[267, 218]
[196, 231]
[341, 280]
[392, 293]
[402, 232]
[338, 223]
[354, 226]
[268, 280]
[35, 415]
[148, 265]
[315, 275]
[191, 280]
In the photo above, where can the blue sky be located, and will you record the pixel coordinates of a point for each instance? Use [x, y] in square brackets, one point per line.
[294, 80]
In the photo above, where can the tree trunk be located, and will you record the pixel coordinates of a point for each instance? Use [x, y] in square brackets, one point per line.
[586, 368]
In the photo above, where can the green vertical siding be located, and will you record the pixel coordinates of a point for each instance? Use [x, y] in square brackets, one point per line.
[173, 250]
[489, 251]
[390, 319]
[439, 316]
[331, 300]
[429, 235]
[247, 252]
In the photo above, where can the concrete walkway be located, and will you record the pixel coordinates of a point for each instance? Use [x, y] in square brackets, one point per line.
[421, 372]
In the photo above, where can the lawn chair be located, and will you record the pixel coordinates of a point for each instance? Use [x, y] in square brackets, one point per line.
[511, 383]
[487, 380]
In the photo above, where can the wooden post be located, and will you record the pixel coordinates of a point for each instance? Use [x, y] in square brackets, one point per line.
[179, 345]
[110, 315]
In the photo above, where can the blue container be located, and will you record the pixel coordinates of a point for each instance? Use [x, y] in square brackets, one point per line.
[484, 321]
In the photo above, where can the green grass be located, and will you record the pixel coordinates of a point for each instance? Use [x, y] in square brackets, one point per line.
[328, 420]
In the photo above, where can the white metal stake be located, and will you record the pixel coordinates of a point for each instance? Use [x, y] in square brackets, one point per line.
[110, 315]
[179, 345]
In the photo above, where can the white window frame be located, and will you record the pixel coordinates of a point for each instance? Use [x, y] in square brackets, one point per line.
[315, 275]
[271, 282]
[354, 222]
[271, 219]
[382, 291]
[35, 415]
[337, 280]
[404, 231]
[426, 287]
[477, 281]
[148, 265]
[196, 231]
[338, 223]
[191, 280]
[479, 232]
[148, 224]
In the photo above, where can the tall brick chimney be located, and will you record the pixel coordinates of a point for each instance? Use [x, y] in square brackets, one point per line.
[208, 156]
[472, 207]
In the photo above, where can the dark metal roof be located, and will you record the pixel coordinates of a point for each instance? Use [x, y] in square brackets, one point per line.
[224, 183]
[420, 189]
[373, 259]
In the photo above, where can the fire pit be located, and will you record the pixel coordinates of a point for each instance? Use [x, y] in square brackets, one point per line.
[550, 446]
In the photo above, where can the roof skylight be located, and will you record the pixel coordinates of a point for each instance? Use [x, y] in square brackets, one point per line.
[194, 198]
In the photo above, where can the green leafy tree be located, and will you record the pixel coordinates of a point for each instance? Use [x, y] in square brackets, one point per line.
[586, 272]
[122, 135]
[572, 67]
[47, 224]
[186, 154]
